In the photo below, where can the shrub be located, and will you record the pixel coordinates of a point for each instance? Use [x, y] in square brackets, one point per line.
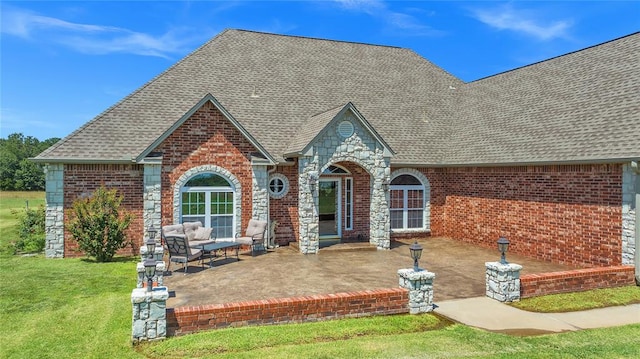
[98, 224]
[31, 235]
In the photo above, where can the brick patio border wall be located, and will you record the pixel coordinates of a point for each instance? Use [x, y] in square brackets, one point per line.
[314, 308]
[535, 285]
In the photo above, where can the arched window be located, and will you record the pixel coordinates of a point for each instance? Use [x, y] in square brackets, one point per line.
[335, 170]
[407, 195]
[209, 198]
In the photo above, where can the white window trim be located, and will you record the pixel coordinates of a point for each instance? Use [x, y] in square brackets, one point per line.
[348, 203]
[405, 208]
[207, 192]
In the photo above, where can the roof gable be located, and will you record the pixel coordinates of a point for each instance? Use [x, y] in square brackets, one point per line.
[188, 114]
[317, 125]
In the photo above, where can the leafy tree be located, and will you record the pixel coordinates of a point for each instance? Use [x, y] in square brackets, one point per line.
[98, 224]
[16, 171]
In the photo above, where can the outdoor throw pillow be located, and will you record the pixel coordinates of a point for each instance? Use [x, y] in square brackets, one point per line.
[202, 234]
[190, 229]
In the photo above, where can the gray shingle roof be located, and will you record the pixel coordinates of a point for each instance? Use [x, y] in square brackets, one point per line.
[581, 106]
[311, 128]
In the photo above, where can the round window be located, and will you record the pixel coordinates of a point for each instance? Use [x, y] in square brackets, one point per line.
[278, 185]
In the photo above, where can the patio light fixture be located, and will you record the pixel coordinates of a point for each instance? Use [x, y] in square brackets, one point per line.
[385, 186]
[503, 245]
[150, 243]
[416, 252]
[311, 181]
[150, 271]
[152, 232]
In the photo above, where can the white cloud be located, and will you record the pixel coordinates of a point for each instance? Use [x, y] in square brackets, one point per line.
[370, 7]
[524, 21]
[397, 20]
[95, 39]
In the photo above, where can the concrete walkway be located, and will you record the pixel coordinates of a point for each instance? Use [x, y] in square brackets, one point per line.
[489, 314]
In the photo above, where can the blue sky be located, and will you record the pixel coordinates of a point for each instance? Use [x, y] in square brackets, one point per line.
[63, 63]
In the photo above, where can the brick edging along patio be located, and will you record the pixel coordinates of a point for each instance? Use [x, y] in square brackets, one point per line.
[184, 320]
[535, 285]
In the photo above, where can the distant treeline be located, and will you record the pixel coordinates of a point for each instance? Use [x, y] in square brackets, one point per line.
[17, 172]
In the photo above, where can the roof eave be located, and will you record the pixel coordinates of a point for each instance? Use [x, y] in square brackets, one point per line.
[523, 163]
[82, 160]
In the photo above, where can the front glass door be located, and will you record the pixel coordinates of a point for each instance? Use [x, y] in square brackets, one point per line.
[329, 208]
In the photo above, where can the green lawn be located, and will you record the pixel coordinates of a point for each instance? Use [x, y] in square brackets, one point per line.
[10, 202]
[82, 309]
[77, 308]
[569, 302]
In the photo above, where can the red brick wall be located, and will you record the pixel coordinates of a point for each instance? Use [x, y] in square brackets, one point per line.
[285, 209]
[535, 285]
[361, 200]
[207, 137]
[81, 180]
[186, 320]
[563, 214]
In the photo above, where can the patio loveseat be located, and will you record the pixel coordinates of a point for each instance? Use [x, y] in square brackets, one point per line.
[194, 232]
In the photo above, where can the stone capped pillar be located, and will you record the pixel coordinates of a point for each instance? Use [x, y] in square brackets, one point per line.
[149, 314]
[420, 286]
[503, 281]
[158, 252]
[157, 278]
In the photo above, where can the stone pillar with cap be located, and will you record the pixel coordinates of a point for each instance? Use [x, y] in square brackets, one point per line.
[149, 320]
[503, 281]
[420, 286]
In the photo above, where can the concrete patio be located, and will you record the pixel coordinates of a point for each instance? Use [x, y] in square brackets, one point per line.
[284, 272]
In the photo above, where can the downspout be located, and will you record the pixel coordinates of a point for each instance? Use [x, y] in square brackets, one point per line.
[269, 172]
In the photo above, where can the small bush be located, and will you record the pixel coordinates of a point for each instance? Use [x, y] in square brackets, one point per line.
[98, 224]
[31, 232]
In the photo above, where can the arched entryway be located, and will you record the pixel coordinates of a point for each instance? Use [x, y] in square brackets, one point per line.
[347, 138]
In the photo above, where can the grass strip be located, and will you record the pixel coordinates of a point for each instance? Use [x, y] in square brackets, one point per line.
[570, 302]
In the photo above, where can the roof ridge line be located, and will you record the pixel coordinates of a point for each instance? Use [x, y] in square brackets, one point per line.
[317, 38]
[555, 57]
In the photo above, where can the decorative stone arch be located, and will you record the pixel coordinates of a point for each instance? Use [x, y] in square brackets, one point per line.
[361, 148]
[427, 194]
[194, 171]
[347, 158]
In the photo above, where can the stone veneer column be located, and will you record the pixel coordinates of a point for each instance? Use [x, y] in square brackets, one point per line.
[152, 195]
[629, 209]
[149, 320]
[420, 286]
[503, 281]
[307, 206]
[54, 217]
[260, 180]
